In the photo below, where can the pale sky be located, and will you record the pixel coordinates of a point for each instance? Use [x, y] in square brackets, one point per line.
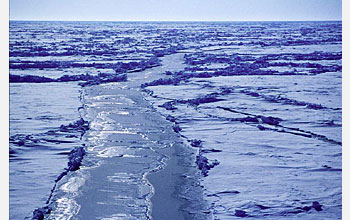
[176, 10]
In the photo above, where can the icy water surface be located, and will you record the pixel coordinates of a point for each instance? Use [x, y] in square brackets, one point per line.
[244, 119]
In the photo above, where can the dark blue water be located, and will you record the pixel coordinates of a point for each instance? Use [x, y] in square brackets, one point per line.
[259, 101]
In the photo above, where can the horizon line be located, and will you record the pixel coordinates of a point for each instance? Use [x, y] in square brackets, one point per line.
[175, 20]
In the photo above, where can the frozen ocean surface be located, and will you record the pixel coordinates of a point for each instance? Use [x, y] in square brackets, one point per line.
[251, 110]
